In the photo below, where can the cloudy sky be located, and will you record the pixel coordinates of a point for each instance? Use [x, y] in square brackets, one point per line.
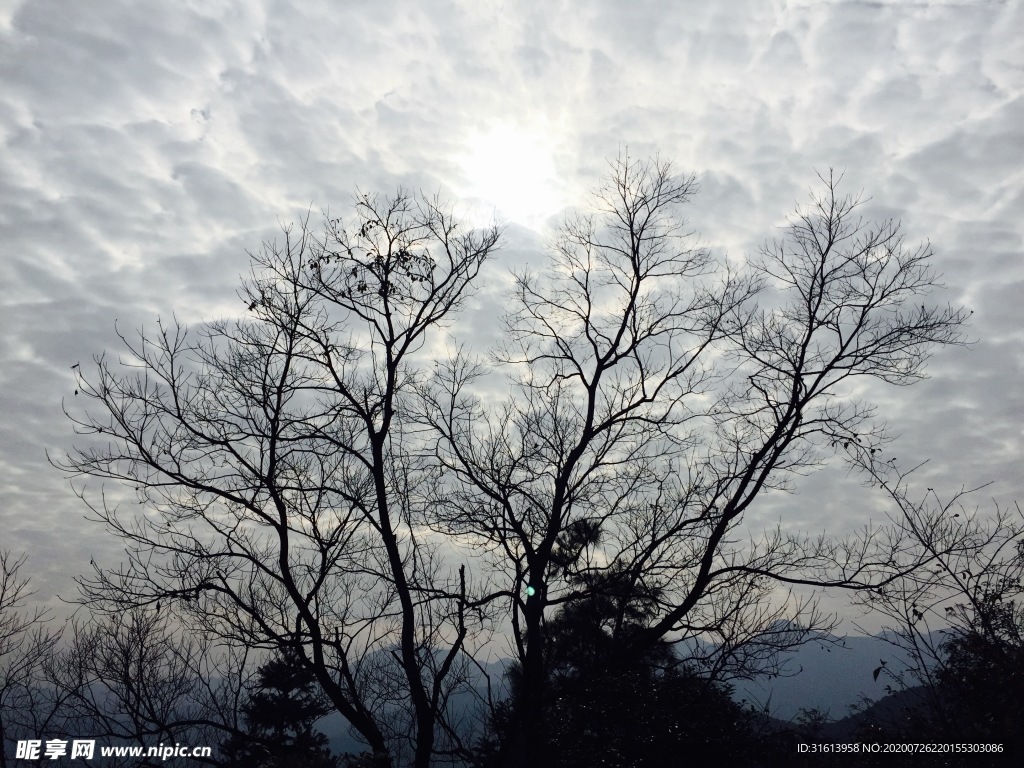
[147, 145]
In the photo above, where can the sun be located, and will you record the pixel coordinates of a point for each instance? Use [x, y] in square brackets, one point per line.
[512, 168]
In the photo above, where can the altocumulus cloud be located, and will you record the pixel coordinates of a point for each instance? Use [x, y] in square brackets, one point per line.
[147, 145]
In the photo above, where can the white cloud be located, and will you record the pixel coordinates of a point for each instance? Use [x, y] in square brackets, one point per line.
[147, 145]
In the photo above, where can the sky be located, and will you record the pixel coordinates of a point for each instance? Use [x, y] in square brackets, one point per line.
[148, 145]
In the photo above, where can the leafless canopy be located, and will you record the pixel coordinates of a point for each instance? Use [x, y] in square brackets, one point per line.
[657, 393]
[269, 457]
[972, 581]
[26, 642]
[295, 467]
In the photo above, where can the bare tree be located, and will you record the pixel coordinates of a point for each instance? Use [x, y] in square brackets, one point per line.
[655, 401]
[277, 477]
[970, 587]
[291, 466]
[26, 642]
[134, 679]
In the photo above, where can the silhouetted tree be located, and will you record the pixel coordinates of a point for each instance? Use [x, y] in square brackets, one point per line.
[26, 642]
[982, 680]
[272, 456]
[137, 679]
[981, 676]
[604, 706]
[656, 399]
[959, 620]
[280, 715]
[300, 470]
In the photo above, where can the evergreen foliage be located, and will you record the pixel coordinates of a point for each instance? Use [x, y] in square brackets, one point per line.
[280, 715]
[610, 704]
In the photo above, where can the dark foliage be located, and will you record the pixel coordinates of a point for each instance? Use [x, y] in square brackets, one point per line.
[979, 696]
[609, 706]
[983, 677]
[301, 468]
[280, 715]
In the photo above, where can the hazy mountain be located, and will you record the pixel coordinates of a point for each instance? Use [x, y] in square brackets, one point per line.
[890, 711]
[464, 705]
[828, 677]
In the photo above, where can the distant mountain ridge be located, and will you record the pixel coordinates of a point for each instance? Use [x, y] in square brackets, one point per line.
[831, 677]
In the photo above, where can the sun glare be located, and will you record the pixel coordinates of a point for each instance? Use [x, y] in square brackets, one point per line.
[513, 170]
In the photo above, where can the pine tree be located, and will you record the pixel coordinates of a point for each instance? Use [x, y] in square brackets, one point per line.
[610, 704]
[280, 714]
